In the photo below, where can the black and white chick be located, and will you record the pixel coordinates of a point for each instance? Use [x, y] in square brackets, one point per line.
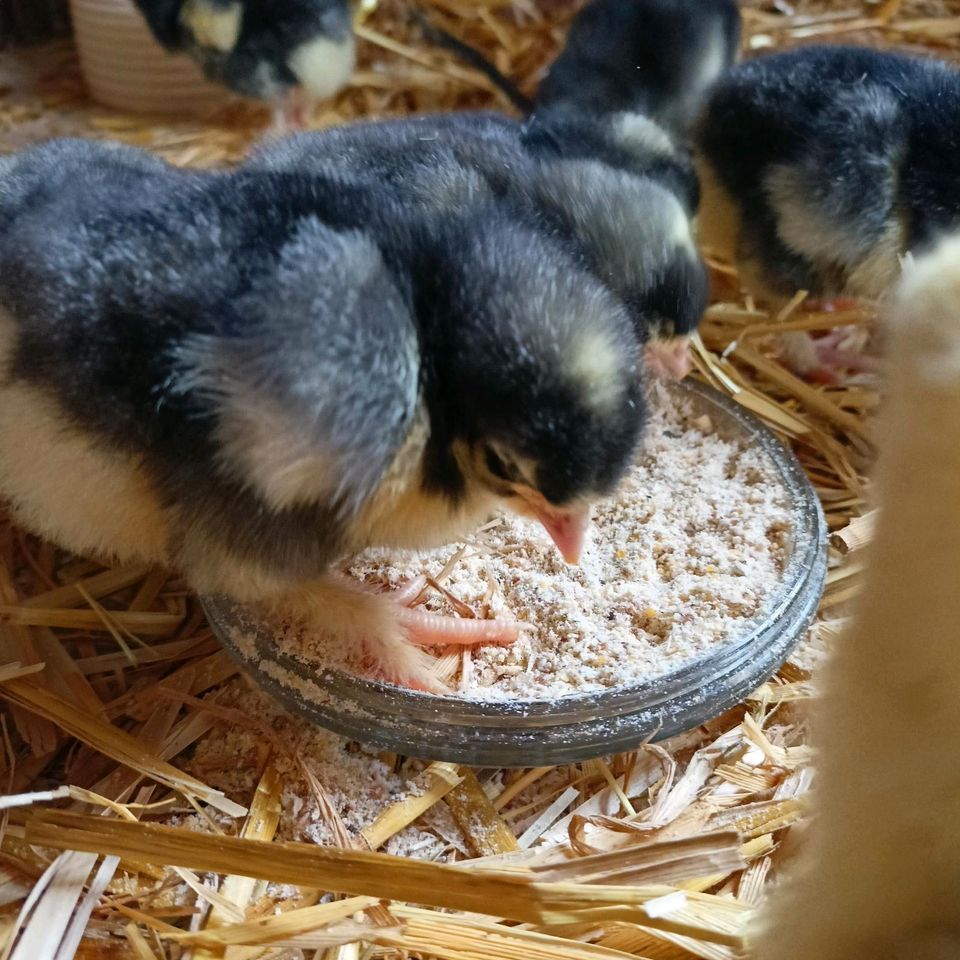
[603, 159]
[251, 376]
[822, 168]
[281, 51]
[610, 125]
[655, 57]
[615, 192]
[601, 162]
[626, 195]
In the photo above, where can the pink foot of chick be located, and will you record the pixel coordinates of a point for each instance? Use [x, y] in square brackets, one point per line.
[290, 115]
[405, 664]
[832, 352]
[834, 361]
[825, 359]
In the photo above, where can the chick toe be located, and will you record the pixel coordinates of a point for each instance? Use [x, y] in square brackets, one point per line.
[824, 359]
[833, 353]
[434, 630]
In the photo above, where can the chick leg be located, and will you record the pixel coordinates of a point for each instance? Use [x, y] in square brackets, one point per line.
[387, 631]
[291, 114]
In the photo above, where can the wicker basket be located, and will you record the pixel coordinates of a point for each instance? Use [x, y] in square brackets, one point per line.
[125, 68]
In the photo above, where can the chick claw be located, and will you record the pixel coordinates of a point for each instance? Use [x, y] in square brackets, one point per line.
[421, 628]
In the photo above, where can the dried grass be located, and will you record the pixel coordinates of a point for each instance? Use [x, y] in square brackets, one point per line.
[662, 853]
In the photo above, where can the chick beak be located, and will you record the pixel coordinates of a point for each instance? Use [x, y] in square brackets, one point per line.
[669, 359]
[567, 529]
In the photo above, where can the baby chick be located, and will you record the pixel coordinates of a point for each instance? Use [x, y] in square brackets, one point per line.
[626, 195]
[274, 50]
[251, 376]
[601, 162]
[623, 93]
[823, 166]
[615, 192]
[655, 57]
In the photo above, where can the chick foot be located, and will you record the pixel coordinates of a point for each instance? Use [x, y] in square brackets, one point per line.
[824, 359]
[386, 631]
[834, 353]
[292, 114]
[828, 358]
[426, 629]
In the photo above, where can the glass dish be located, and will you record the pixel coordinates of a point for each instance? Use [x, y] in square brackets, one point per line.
[531, 733]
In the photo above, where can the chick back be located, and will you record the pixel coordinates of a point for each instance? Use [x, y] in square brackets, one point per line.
[258, 367]
[619, 202]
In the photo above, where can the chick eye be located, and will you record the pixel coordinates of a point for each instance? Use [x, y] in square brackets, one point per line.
[496, 465]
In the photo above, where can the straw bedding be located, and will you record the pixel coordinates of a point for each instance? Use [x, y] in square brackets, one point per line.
[202, 823]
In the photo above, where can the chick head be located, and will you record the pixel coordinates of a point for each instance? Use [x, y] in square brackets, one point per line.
[541, 375]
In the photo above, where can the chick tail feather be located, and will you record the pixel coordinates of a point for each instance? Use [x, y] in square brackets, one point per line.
[472, 58]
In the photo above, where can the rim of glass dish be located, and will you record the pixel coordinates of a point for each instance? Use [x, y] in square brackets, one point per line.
[348, 694]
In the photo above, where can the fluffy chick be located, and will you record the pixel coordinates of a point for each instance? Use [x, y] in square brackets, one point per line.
[615, 192]
[274, 50]
[626, 194]
[250, 376]
[623, 94]
[655, 57]
[823, 166]
[610, 172]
